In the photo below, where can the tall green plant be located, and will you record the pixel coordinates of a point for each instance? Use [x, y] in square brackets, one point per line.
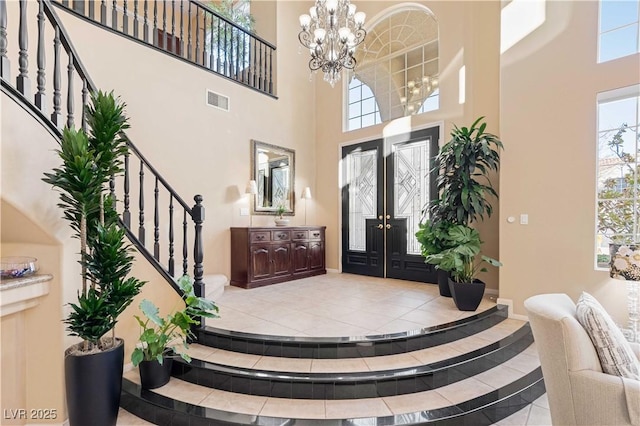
[89, 161]
[463, 183]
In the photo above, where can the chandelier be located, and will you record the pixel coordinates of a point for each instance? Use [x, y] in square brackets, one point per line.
[416, 92]
[331, 32]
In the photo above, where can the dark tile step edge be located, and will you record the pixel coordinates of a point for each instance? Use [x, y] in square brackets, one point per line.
[278, 384]
[350, 347]
[481, 411]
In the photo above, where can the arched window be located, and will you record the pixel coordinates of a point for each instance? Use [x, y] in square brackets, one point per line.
[398, 65]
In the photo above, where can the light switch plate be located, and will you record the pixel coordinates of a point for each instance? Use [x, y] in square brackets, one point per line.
[524, 219]
[244, 211]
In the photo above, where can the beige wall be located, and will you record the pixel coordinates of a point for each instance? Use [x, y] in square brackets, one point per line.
[469, 36]
[549, 83]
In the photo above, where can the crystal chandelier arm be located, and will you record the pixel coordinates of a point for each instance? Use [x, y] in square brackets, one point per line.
[305, 39]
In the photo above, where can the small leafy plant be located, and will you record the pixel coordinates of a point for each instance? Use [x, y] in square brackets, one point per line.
[280, 210]
[160, 336]
[461, 258]
[434, 238]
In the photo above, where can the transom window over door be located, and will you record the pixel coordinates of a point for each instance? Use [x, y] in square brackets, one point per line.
[399, 66]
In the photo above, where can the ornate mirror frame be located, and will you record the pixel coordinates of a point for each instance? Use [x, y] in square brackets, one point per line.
[273, 169]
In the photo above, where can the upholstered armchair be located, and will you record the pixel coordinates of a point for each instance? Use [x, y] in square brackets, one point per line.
[579, 392]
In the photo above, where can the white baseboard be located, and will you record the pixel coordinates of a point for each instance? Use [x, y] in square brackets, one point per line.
[509, 303]
[127, 367]
[334, 271]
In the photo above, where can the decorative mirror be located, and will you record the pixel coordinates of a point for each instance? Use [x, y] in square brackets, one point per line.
[273, 169]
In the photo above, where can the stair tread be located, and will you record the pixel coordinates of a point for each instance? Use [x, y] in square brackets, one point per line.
[452, 395]
[365, 364]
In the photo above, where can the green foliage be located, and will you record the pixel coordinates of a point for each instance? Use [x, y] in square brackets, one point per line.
[433, 238]
[89, 161]
[159, 336]
[280, 210]
[461, 258]
[617, 214]
[463, 183]
[238, 16]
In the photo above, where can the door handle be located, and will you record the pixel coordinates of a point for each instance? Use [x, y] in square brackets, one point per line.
[380, 226]
[380, 217]
[388, 226]
[388, 216]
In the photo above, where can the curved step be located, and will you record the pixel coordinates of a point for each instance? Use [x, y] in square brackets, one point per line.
[354, 346]
[480, 400]
[351, 385]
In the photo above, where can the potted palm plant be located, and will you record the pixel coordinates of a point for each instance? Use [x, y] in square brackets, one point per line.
[464, 164]
[160, 336]
[93, 367]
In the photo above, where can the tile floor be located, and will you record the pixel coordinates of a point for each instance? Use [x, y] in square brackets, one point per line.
[337, 305]
[349, 305]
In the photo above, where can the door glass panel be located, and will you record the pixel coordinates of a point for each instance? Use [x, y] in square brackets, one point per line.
[361, 179]
[411, 187]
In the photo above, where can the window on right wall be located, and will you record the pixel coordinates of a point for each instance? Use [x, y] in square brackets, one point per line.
[619, 29]
[618, 183]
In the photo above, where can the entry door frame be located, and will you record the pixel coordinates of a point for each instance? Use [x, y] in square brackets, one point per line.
[387, 139]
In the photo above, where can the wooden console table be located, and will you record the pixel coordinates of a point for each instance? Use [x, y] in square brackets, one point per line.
[270, 255]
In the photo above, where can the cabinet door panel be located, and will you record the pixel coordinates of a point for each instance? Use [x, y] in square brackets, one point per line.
[316, 255]
[281, 259]
[260, 262]
[300, 257]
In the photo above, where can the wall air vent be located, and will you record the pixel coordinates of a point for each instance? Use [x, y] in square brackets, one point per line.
[217, 100]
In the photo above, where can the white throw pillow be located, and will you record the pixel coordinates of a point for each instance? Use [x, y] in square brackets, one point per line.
[615, 353]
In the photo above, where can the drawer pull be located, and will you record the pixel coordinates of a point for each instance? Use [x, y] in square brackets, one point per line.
[259, 237]
[300, 235]
[316, 234]
[282, 236]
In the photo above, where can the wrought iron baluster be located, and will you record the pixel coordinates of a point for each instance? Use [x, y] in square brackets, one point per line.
[204, 40]
[40, 96]
[185, 249]
[255, 62]
[189, 33]
[197, 56]
[220, 61]
[145, 25]
[23, 84]
[211, 55]
[92, 10]
[141, 231]
[174, 48]
[164, 25]
[126, 215]
[181, 52]
[260, 67]
[237, 41]
[155, 23]
[4, 60]
[103, 12]
[171, 260]
[136, 34]
[271, 71]
[70, 94]
[85, 98]
[198, 252]
[227, 64]
[114, 16]
[156, 223]
[56, 116]
[125, 18]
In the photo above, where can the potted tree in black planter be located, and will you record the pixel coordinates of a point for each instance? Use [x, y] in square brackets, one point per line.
[463, 184]
[160, 336]
[93, 367]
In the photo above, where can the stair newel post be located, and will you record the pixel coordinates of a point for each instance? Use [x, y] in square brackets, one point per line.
[70, 93]
[197, 212]
[4, 60]
[22, 83]
[114, 16]
[56, 116]
[145, 25]
[141, 231]
[40, 98]
[103, 12]
[185, 249]
[156, 223]
[126, 215]
[171, 260]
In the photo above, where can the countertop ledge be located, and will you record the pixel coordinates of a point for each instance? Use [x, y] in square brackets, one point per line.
[11, 283]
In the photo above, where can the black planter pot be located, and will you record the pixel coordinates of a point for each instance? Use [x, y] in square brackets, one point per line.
[93, 384]
[443, 283]
[153, 374]
[467, 296]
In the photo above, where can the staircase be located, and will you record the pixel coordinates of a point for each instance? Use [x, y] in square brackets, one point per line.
[476, 370]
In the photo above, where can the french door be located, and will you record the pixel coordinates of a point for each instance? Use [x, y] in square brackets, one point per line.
[386, 184]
